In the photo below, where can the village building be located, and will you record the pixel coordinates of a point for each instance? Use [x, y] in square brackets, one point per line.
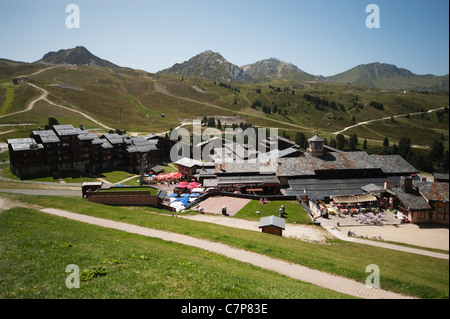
[419, 201]
[66, 148]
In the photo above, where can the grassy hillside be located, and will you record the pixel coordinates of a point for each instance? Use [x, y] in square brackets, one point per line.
[119, 265]
[387, 76]
[401, 272]
[134, 100]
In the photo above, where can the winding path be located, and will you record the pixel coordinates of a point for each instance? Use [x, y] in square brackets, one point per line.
[44, 97]
[385, 118]
[295, 271]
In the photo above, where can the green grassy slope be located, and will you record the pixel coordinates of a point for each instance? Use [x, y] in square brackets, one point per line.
[401, 272]
[134, 100]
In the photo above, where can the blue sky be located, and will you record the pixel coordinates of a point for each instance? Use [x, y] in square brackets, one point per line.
[319, 36]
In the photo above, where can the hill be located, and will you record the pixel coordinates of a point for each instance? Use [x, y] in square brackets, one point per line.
[209, 65]
[274, 68]
[139, 101]
[388, 76]
[75, 56]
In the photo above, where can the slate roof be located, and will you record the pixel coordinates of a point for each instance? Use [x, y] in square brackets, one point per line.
[23, 144]
[411, 201]
[141, 148]
[433, 191]
[318, 189]
[114, 138]
[47, 136]
[65, 130]
[392, 164]
[316, 138]
[246, 179]
[309, 164]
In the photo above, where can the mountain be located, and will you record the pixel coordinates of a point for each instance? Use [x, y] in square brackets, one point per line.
[270, 68]
[76, 56]
[388, 76]
[209, 65]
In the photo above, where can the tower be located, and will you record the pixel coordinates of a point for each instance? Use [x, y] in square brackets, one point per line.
[315, 147]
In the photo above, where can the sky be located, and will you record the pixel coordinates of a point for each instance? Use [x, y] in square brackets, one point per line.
[321, 37]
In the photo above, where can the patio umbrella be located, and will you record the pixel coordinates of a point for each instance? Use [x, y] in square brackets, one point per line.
[184, 183]
[173, 195]
[185, 195]
[195, 195]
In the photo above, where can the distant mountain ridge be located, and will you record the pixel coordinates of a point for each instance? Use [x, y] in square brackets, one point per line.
[213, 66]
[279, 69]
[388, 76]
[209, 65]
[76, 56]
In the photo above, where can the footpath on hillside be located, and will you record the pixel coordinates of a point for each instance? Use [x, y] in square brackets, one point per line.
[298, 272]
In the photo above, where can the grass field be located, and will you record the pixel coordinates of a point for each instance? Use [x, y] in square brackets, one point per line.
[115, 264]
[400, 272]
[293, 210]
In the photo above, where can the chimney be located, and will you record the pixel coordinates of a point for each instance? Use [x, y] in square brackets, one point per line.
[406, 184]
[387, 184]
[81, 126]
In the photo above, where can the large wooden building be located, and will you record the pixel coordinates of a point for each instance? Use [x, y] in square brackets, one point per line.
[65, 148]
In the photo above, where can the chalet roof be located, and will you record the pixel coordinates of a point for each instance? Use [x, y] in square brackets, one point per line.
[141, 148]
[114, 138]
[316, 138]
[86, 136]
[319, 189]
[411, 201]
[308, 165]
[290, 151]
[272, 221]
[47, 136]
[189, 162]
[248, 179]
[65, 130]
[24, 144]
[392, 164]
[433, 191]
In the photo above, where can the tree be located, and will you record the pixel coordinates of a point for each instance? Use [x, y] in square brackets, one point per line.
[365, 144]
[353, 141]
[219, 125]
[211, 122]
[445, 161]
[51, 121]
[437, 151]
[386, 142]
[300, 139]
[404, 147]
[340, 141]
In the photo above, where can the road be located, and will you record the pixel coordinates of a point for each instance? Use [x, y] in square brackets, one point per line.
[385, 118]
[44, 97]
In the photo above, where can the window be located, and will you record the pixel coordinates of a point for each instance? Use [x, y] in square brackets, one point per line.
[442, 213]
[420, 215]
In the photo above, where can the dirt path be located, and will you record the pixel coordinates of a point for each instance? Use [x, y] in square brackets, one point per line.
[385, 118]
[298, 272]
[44, 97]
[301, 232]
